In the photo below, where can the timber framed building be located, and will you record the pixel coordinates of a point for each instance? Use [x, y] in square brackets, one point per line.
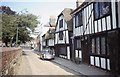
[63, 33]
[96, 32]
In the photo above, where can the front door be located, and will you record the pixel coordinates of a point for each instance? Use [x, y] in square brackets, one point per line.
[85, 50]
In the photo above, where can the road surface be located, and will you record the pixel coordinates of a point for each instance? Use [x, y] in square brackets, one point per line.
[32, 65]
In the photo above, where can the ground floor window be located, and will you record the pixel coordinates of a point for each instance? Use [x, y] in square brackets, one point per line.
[77, 44]
[63, 51]
[100, 52]
[99, 45]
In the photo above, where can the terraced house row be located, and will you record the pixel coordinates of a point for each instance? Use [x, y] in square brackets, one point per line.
[90, 34]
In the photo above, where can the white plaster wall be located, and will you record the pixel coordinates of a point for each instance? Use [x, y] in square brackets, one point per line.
[114, 14]
[97, 63]
[51, 42]
[103, 63]
[91, 60]
[68, 52]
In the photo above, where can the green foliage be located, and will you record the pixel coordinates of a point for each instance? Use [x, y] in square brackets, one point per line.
[23, 22]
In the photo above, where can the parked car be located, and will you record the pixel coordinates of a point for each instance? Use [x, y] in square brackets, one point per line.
[47, 54]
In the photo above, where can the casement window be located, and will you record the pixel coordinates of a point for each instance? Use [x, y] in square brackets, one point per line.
[78, 44]
[101, 9]
[102, 45]
[63, 51]
[61, 23]
[61, 35]
[93, 45]
[78, 19]
[99, 46]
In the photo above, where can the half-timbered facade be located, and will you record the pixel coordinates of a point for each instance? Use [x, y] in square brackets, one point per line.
[96, 31]
[63, 33]
[43, 42]
[50, 38]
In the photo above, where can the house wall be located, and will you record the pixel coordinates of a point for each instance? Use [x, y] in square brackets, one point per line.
[64, 43]
[51, 42]
[77, 31]
[43, 43]
[65, 38]
[99, 30]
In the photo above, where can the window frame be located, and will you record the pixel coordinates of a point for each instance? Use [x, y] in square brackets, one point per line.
[99, 11]
[61, 23]
[78, 43]
[102, 41]
[61, 35]
[79, 16]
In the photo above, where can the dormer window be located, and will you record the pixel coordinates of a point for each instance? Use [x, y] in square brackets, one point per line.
[101, 9]
[78, 19]
[61, 23]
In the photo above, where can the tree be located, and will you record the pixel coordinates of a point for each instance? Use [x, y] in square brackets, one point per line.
[25, 23]
[8, 28]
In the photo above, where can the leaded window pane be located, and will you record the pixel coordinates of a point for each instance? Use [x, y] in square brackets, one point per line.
[61, 23]
[97, 45]
[101, 9]
[78, 19]
[103, 45]
[96, 9]
[78, 44]
[108, 51]
[63, 51]
[104, 8]
[93, 45]
[61, 36]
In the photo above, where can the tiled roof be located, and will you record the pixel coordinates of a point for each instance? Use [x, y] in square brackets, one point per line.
[50, 33]
[68, 18]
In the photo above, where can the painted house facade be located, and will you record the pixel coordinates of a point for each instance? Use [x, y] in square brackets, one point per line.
[43, 42]
[63, 33]
[96, 32]
[50, 38]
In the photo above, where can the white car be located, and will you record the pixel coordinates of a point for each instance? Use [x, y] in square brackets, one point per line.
[47, 54]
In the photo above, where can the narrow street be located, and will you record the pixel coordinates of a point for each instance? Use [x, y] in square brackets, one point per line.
[32, 65]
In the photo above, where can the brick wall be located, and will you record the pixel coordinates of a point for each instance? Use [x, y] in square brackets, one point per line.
[10, 59]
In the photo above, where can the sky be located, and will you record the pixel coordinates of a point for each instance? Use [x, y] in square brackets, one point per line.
[41, 8]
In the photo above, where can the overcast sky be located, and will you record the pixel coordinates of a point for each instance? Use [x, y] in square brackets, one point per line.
[42, 8]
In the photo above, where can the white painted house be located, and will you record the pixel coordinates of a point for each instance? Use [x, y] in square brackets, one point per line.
[63, 33]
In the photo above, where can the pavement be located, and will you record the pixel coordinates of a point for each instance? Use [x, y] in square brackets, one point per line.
[83, 69]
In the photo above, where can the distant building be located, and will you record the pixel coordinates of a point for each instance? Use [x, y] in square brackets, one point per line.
[52, 21]
[43, 42]
[49, 37]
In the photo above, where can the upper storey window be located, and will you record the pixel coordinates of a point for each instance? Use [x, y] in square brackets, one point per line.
[101, 9]
[61, 23]
[78, 19]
